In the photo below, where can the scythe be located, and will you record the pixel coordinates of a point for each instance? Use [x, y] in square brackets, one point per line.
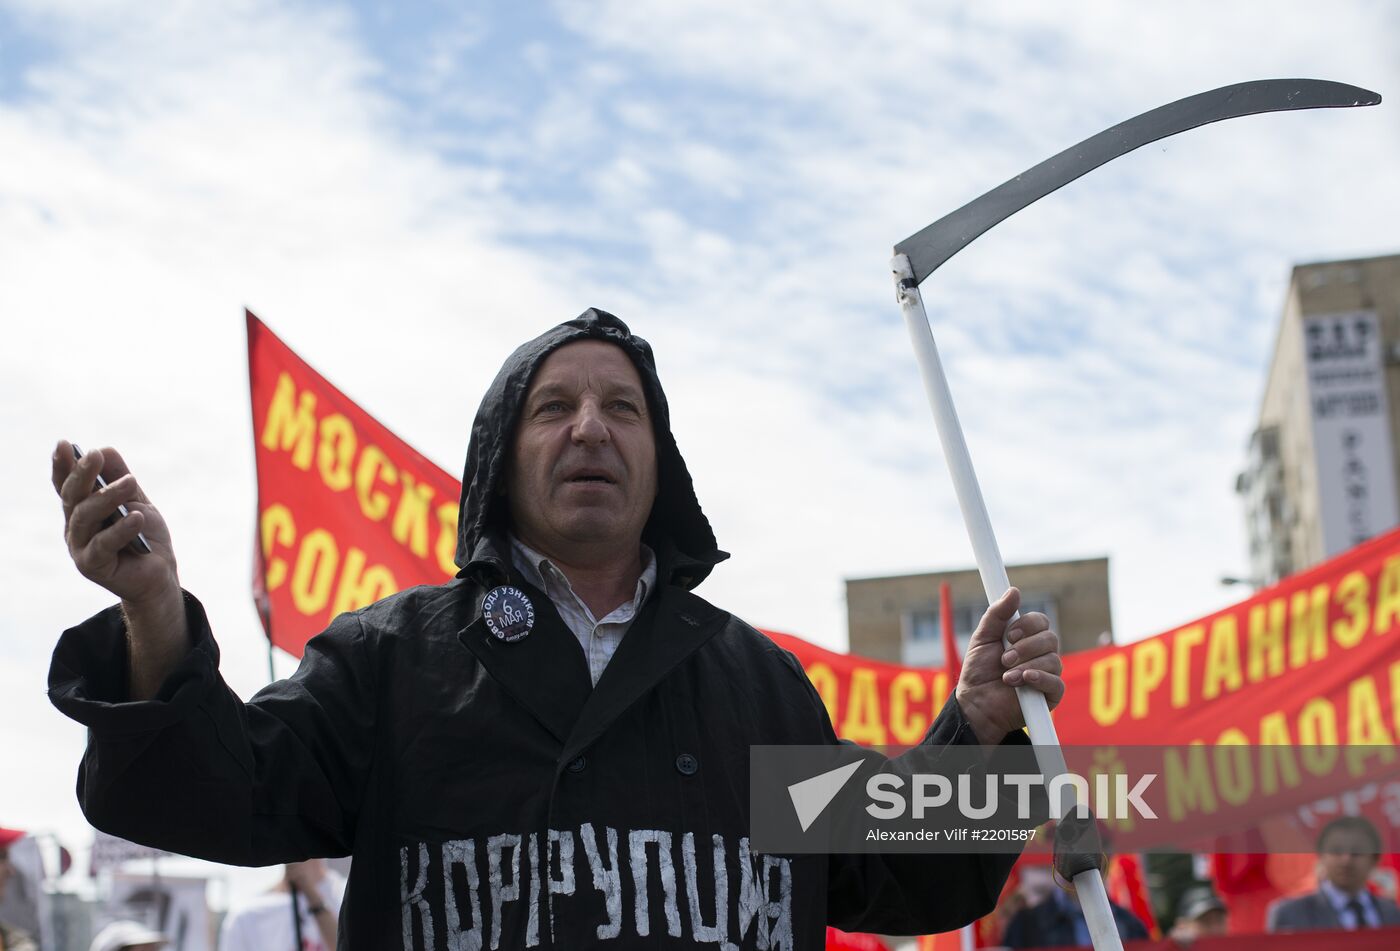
[919, 255]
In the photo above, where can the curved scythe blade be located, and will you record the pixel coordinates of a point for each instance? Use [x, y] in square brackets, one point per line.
[935, 244]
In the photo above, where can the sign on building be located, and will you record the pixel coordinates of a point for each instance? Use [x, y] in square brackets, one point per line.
[1351, 428]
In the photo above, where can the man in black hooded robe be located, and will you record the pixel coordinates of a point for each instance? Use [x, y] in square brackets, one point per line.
[550, 749]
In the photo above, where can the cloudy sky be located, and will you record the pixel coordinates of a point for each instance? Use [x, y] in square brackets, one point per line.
[403, 192]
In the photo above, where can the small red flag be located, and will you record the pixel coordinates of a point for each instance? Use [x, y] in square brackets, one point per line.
[951, 660]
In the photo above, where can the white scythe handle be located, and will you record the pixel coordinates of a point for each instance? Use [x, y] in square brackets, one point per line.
[1089, 887]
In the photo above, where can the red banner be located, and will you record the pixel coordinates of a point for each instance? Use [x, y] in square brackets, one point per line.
[1272, 716]
[1314, 660]
[347, 512]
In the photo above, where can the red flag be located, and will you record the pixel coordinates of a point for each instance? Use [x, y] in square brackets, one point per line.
[850, 941]
[347, 511]
[1128, 887]
[951, 660]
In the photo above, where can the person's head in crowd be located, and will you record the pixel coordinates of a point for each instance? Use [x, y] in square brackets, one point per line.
[1200, 914]
[1347, 850]
[1036, 884]
[128, 936]
[8, 837]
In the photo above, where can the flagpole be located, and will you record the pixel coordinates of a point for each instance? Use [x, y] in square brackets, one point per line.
[951, 659]
[967, 936]
[1089, 886]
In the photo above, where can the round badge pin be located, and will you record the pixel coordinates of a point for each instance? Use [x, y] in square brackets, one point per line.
[508, 612]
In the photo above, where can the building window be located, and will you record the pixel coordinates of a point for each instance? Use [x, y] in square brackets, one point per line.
[923, 632]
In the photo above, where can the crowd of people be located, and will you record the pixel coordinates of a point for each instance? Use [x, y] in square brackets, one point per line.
[297, 914]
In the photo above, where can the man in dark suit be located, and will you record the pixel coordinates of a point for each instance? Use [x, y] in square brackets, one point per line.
[1059, 922]
[1347, 850]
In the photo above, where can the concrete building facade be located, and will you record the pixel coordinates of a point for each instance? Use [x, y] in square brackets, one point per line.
[896, 619]
[1321, 469]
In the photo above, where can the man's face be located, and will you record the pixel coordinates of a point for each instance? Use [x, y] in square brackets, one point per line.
[583, 465]
[1346, 859]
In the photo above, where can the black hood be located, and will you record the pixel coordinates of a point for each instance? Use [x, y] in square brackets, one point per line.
[677, 530]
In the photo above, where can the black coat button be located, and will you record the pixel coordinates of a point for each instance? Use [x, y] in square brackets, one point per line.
[686, 764]
[578, 764]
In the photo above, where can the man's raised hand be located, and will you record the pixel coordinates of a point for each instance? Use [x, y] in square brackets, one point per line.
[991, 672]
[101, 552]
[152, 602]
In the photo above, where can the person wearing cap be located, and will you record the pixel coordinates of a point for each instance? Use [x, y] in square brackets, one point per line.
[11, 939]
[1348, 848]
[1201, 914]
[552, 749]
[128, 936]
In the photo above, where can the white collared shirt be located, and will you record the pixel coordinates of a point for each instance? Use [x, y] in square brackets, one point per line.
[598, 638]
[1340, 900]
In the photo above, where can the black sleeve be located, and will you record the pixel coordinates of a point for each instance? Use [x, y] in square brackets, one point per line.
[199, 772]
[908, 894]
[905, 893]
[1016, 934]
